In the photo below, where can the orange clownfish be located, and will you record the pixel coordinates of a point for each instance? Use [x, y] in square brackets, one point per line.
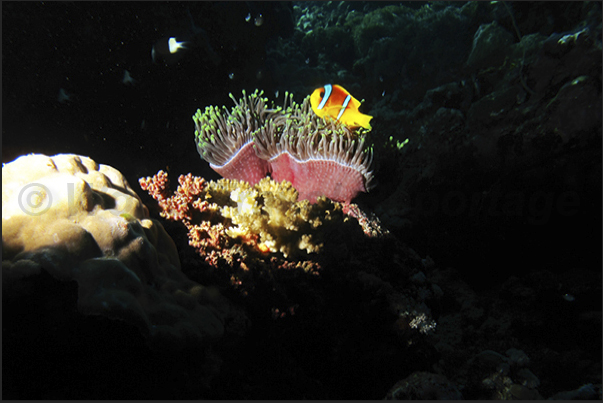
[334, 101]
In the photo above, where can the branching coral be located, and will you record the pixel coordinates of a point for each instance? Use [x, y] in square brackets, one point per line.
[261, 236]
[280, 256]
[319, 157]
[227, 214]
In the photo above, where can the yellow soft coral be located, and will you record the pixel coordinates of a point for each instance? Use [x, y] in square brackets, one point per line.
[270, 211]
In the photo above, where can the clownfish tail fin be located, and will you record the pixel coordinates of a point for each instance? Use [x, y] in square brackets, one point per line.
[364, 120]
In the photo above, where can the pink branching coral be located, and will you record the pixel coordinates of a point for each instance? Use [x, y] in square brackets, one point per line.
[178, 207]
[370, 225]
[188, 200]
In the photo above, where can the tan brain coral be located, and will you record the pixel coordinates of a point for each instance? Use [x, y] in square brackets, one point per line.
[81, 221]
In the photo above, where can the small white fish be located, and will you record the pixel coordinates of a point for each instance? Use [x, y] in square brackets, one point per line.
[168, 49]
[175, 46]
[248, 18]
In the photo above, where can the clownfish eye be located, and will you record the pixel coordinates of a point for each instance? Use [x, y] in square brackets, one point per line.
[322, 94]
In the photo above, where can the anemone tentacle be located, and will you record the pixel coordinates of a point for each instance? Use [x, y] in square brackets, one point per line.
[220, 133]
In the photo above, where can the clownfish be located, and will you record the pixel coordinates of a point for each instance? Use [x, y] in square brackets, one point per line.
[335, 102]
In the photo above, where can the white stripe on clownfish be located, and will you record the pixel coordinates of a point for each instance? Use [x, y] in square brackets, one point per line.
[325, 98]
[345, 105]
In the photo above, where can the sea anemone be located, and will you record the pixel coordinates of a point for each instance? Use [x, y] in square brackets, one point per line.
[319, 157]
[225, 139]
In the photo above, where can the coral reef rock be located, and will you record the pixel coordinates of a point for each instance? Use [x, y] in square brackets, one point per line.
[81, 221]
[424, 385]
